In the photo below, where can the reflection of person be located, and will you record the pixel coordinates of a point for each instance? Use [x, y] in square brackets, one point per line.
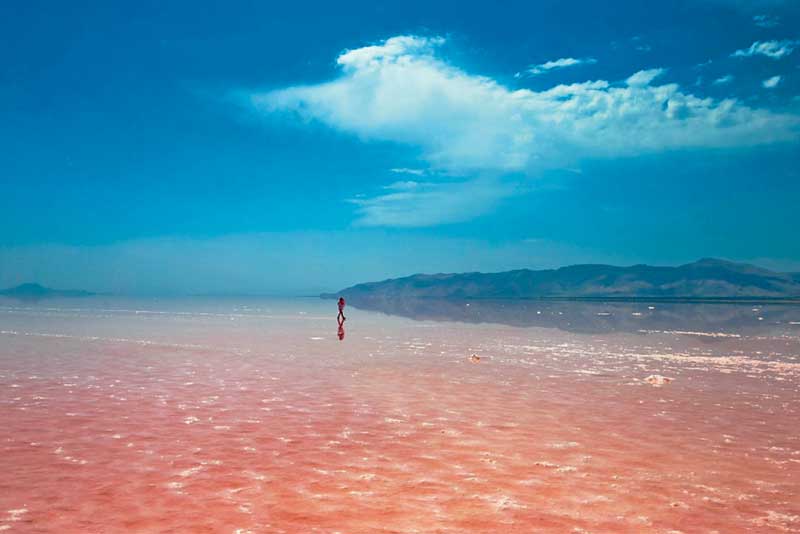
[341, 310]
[340, 332]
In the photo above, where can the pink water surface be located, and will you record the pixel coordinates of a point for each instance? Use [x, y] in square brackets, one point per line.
[202, 417]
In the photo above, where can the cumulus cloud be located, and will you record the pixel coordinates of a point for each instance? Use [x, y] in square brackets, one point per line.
[771, 83]
[535, 70]
[771, 49]
[402, 91]
[723, 80]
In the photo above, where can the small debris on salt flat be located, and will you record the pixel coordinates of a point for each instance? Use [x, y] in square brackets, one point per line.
[658, 380]
[475, 358]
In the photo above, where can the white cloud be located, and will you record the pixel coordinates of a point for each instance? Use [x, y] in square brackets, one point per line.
[723, 80]
[404, 170]
[404, 185]
[415, 204]
[402, 91]
[771, 49]
[644, 78]
[771, 83]
[371, 56]
[561, 63]
[766, 21]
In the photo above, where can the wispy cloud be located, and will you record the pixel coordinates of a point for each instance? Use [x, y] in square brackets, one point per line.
[535, 70]
[771, 49]
[414, 204]
[404, 170]
[766, 21]
[640, 45]
[402, 91]
[771, 83]
[723, 80]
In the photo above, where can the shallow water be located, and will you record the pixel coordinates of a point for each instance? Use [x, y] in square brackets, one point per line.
[250, 415]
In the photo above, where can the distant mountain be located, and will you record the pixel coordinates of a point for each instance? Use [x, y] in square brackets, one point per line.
[36, 291]
[704, 279]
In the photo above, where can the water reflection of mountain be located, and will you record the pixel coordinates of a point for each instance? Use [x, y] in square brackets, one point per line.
[596, 317]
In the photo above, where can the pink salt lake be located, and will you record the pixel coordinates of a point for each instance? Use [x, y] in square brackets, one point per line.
[252, 416]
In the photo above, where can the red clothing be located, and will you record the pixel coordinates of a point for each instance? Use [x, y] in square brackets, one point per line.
[341, 304]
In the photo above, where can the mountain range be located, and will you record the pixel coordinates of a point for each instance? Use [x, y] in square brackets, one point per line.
[704, 279]
[36, 291]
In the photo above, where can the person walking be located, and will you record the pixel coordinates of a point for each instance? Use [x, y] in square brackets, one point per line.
[341, 309]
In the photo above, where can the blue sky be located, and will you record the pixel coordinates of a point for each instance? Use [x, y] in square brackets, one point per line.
[182, 147]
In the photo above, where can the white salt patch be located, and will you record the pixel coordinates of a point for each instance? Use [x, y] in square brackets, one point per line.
[191, 471]
[563, 444]
[690, 333]
[502, 502]
[255, 476]
[191, 420]
[15, 515]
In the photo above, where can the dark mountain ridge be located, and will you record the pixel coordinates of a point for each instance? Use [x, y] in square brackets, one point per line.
[36, 291]
[704, 279]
